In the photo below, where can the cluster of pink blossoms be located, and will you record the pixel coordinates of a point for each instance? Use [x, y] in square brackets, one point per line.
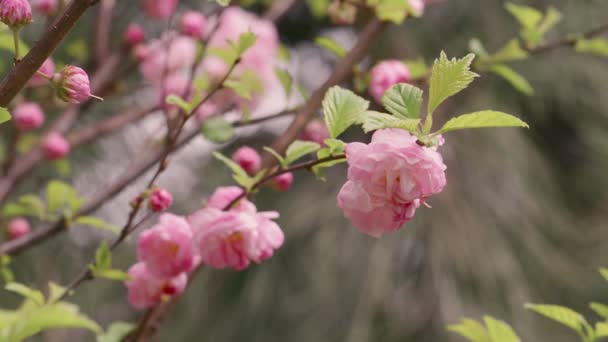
[213, 236]
[388, 179]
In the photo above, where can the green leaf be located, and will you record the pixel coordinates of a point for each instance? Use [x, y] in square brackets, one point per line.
[604, 273]
[471, 330]
[596, 46]
[403, 100]
[318, 169]
[500, 331]
[552, 17]
[245, 84]
[96, 222]
[600, 309]
[234, 167]
[112, 274]
[515, 79]
[56, 291]
[227, 54]
[175, 100]
[375, 120]
[62, 198]
[299, 149]
[103, 257]
[476, 47]
[286, 80]
[246, 41]
[342, 108]
[527, 16]
[512, 51]
[29, 293]
[4, 115]
[116, 332]
[562, 315]
[331, 46]
[394, 11]
[223, 3]
[318, 8]
[486, 118]
[217, 130]
[418, 68]
[62, 166]
[601, 329]
[278, 157]
[335, 145]
[448, 78]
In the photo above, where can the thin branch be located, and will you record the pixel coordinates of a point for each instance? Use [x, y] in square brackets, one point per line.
[568, 41]
[102, 30]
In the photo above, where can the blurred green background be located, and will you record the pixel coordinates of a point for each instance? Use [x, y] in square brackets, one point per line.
[523, 218]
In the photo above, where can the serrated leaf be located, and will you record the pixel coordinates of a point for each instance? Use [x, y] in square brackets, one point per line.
[234, 167]
[448, 78]
[116, 332]
[562, 315]
[512, 51]
[96, 222]
[403, 100]
[217, 130]
[286, 80]
[500, 331]
[103, 257]
[482, 119]
[528, 17]
[278, 157]
[471, 330]
[341, 109]
[299, 149]
[514, 78]
[600, 309]
[331, 46]
[597, 46]
[375, 120]
[4, 115]
[29, 293]
[175, 100]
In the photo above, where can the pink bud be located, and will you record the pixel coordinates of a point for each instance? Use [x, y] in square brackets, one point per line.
[28, 116]
[248, 158]
[385, 75]
[193, 24]
[315, 131]
[72, 84]
[46, 7]
[54, 146]
[159, 9]
[283, 182]
[133, 35]
[147, 289]
[160, 200]
[166, 248]
[17, 228]
[47, 68]
[15, 13]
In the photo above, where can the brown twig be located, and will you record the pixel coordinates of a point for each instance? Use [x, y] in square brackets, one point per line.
[102, 31]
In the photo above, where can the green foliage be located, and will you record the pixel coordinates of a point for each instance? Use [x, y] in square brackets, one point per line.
[448, 78]
[217, 130]
[342, 108]
[299, 149]
[600, 309]
[286, 80]
[231, 54]
[4, 115]
[27, 205]
[277, 156]
[245, 84]
[417, 67]
[486, 118]
[334, 148]
[103, 265]
[34, 295]
[564, 316]
[176, 100]
[403, 100]
[116, 332]
[372, 121]
[318, 8]
[223, 2]
[493, 331]
[5, 271]
[331, 46]
[238, 174]
[514, 78]
[596, 46]
[394, 11]
[62, 199]
[534, 25]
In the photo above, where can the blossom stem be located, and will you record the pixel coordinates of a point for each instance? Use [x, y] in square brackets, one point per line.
[16, 42]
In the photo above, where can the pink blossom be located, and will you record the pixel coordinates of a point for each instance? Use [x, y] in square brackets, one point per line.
[283, 182]
[47, 68]
[72, 84]
[15, 13]
[315, 131]
[193, 24]
[168, 54]
[159, 9]
[224, 195]
[160, 200]
[45, 7]
[388, 179]
[417, 6]
[133, 35]
[248, 158]
[55, 146]
[28, 116]
[385, 75]
[267, 238]
[174, 84]
[17, 228]
[166, 248]
[146, 289]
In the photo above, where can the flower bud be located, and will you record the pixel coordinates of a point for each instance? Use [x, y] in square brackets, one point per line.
[55, 146]
[17, 228]
[28, 116]
[283, 182]
[248, 158]
[193, 24]
[15, 13]
[385, 75]
[315, 131]
[133, 35]
[72, 84]
[47, 68]
[46, 7]
[160, 200]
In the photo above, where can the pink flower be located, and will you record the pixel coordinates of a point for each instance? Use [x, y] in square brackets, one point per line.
[166, 248]
[193, 24]
[388, 179]
[17, 228]
[146, 289]
[72, 84]
[15, 13]
[46, 7]
[248, 158]
[159, 9]
[315, 131]
[133, 35]
[170, 53]
[385, 75]
[28, 116]
[55, 146]
[174, 84]
[283, 182]
[417, 6]
[224, 195]
[47, 68]
[160, 200]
